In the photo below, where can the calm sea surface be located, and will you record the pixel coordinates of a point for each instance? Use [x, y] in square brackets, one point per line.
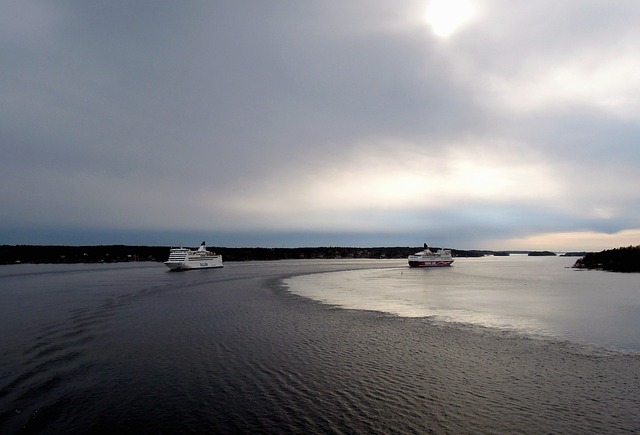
[535, 295]
[490, 345]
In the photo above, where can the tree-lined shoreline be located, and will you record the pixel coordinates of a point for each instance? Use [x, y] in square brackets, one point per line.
[625, 259]
[12, 254]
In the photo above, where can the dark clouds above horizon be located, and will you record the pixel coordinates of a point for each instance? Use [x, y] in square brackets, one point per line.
[321, 123]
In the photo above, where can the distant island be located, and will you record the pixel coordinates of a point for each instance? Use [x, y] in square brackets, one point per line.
[613, 260]
[16, 254]
[619, 260]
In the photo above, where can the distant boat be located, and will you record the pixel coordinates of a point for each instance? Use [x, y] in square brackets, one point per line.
[185, 259]
[428, 258]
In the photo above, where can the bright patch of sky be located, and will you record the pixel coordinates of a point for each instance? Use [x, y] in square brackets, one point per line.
[447, 16]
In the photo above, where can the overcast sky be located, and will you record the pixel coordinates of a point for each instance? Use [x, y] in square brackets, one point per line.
[494, 124]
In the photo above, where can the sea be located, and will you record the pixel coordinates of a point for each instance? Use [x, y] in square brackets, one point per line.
[508, 345]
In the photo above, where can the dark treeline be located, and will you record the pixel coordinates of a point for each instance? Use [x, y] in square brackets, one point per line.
[625, 259]
[10, 254]
[81, 254]
[614, 260]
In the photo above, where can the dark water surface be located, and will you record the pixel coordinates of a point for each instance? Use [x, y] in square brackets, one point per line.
[132, 348]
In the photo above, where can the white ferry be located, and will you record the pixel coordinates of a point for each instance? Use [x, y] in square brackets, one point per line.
[185, 259]
[428, 258]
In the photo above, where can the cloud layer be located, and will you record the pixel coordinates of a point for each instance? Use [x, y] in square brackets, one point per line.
[365, 122]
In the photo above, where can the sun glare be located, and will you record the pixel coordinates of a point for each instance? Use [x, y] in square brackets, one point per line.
[447, 16]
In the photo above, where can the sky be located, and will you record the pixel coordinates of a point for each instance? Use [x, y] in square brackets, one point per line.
[488, 124]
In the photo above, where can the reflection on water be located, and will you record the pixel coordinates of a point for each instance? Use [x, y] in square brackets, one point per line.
[134, 348]
[536, 295]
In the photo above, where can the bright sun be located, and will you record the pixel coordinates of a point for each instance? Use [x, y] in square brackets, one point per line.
[447, 16]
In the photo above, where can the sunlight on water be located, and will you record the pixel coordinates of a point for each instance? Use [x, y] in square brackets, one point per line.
[535, 295]
[406, 293]
[134, 348]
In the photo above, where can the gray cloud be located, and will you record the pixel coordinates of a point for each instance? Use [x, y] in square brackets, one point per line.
[350, 120]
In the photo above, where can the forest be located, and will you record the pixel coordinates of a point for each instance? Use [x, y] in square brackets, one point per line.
[625, 259]
[12, 254]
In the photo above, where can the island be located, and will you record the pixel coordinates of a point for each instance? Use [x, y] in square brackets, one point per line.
[22, 254]
[624, 259]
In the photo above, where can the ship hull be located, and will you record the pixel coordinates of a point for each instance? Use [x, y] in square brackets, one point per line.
[419, 262]
[189, 265]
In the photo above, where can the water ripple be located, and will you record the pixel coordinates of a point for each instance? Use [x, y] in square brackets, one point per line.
[234, 352]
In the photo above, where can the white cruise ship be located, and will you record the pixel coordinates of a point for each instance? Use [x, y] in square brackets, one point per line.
[185, 259]
[428, 258]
